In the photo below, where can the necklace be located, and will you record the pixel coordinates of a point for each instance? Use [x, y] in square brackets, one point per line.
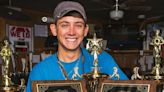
[75, 69]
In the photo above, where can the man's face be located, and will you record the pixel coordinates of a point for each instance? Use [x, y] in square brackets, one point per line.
[70, 32]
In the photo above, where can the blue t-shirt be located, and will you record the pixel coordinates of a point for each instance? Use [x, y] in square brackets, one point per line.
[49, 68]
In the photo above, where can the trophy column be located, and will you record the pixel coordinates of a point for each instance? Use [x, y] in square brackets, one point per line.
[94, 46]
[7, 85]
[157, 41]
[156, 72]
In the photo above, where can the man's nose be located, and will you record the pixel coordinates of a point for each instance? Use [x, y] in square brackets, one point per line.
[72, 30]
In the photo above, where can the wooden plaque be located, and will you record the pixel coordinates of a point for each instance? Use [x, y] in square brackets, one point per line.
[58, 86]
[127, 86]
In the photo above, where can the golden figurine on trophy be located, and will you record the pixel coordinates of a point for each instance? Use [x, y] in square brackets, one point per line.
[6, 56]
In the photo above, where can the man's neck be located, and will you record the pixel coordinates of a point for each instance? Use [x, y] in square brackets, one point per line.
[68, 56]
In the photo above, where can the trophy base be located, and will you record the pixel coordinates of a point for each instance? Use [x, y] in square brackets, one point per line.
[92, 81]
[155, 77]
[8, 89]
[91, 76]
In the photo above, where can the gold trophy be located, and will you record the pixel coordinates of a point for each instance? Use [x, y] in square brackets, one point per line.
[5, 53]
[157, 41]
[94, 46]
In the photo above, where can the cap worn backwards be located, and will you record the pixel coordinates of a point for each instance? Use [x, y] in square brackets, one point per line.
[67, 6]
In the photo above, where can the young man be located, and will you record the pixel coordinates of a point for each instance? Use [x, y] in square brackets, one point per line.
[70, 61]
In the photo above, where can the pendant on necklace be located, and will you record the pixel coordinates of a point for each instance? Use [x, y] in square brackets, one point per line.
[76, 73]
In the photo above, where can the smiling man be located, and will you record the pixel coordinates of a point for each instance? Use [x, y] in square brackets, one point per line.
[70, 61]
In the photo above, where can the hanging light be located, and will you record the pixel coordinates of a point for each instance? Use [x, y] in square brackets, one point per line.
[116, 14]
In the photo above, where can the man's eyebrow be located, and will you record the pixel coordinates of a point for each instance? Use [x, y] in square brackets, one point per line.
[80, 22]
[68, 22]
[63, 22]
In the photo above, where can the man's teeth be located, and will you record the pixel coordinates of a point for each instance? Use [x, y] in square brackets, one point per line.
[71, 39]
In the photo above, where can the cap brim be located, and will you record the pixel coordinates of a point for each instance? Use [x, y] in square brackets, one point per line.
[72, 9]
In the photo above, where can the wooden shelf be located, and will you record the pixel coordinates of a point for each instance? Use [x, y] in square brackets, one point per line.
[128, 51]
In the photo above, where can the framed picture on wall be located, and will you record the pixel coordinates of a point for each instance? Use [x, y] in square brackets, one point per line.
[127, 86]
[58, 86]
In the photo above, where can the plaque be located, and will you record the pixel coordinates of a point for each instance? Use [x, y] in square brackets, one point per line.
[58, 86]
[127, 86]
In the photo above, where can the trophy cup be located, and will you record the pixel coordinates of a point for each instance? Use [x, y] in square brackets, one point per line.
[5, 53]
[94, 46]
